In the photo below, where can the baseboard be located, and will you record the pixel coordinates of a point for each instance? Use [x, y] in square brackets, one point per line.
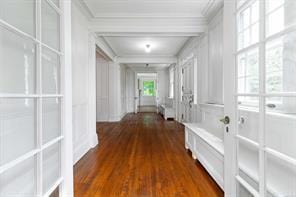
[81, 150]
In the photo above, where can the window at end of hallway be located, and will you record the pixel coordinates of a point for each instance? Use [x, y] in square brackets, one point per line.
[148, 88]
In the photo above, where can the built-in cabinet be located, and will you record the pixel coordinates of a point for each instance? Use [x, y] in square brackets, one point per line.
[207, 148]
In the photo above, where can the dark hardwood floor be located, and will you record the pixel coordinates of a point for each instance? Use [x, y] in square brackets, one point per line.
[142, 155]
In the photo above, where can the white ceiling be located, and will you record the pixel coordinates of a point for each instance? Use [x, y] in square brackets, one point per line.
[146, 8]
[135, 46]
[149, 66]
[125, 27]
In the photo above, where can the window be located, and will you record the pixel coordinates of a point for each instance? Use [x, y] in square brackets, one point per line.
[279, 49]
[248, 53]
[148, 88]
[172, 79]
[248, 72]
[248, 26]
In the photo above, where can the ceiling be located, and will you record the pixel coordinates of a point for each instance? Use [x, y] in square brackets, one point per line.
[135, 46]
[149, 65]
[125, 27]
[146, 8]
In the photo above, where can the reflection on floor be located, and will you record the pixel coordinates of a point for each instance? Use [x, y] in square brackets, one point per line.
[143, 155]
[147, 108]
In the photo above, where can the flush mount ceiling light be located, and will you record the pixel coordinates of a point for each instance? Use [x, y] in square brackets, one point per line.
[148, 48]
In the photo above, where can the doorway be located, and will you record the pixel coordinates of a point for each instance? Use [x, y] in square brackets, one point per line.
[147, 92]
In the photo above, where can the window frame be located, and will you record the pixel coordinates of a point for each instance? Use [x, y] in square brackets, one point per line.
[154, 87]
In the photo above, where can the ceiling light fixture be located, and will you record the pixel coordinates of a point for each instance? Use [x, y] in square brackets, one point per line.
[148, 48]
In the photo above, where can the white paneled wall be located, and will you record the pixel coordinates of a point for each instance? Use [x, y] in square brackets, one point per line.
[111, 90]
[163, 85]
[114, 92]
[130, 90]
[215, 66]
[83, 64]
[102, 88]
[207, 49]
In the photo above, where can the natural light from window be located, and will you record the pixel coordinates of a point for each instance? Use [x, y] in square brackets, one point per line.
[149, 88]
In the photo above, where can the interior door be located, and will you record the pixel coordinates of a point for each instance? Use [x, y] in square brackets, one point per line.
[33, 159]
[187, 90]
[260, 98]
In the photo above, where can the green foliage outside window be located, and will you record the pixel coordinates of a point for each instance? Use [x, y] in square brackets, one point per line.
[148, 88]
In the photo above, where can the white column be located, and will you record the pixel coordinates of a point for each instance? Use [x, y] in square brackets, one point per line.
[92, 89]
[67, 149]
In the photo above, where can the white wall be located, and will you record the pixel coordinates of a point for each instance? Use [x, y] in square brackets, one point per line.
[215, 76]
[130, 90]
[163, 85]
[102, 98]
[111, 90]
[115, 113]
[83, 65]
[207, 50]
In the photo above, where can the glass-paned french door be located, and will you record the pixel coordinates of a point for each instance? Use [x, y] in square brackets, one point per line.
[266, 98]
[31, 97]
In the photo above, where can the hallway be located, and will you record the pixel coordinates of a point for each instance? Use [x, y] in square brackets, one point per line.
[142, 155]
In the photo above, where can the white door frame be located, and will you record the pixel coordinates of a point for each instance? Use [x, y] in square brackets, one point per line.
[229, 73]
[67, 153]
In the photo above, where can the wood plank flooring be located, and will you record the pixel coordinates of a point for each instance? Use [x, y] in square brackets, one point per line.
[143, 155]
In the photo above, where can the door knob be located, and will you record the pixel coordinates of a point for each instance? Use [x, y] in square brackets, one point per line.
[225, 120]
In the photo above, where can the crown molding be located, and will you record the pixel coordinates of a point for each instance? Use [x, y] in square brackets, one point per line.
[189, 45]
[148, 34]
[84, 9]
[211, 8]
[105, 47]
[187, 25]
[147, 59]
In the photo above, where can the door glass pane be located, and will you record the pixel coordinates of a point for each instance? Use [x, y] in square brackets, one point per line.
[50, 26]
[248, 72]
[248, 163]
[51, 119]
[20, 180]
[17, 64]
[17, 126]
[280, 177]
[281, 64]
[281, 124]
[280, 14]
[50, 72]
[248, 117]
[248, 25]
[19, 13]
[51, 166]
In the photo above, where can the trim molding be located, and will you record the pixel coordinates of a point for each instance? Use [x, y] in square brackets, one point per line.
[211, 8]
[145, 59]
[84, 9]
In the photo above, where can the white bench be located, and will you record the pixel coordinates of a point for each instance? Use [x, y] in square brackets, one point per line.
[166, 111]
[207, 148]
